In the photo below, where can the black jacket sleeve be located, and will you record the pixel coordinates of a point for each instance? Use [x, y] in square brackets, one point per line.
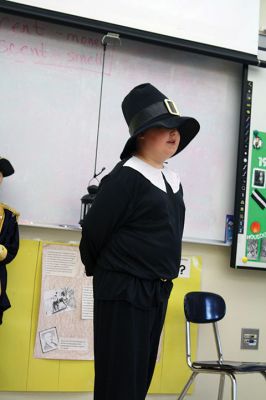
[110, 209]
[9, 237]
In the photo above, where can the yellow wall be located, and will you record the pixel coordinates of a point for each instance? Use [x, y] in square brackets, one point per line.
[245, 295]
[20, 371]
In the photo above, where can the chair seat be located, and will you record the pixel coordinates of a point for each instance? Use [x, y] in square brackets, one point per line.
[233, 366]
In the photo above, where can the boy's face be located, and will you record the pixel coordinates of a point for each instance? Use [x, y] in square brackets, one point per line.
[161, 142]
[1, 177]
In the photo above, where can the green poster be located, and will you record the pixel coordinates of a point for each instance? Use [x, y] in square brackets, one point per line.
[256, 217]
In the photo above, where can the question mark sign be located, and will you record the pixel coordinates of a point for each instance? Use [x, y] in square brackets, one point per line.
[182, 269]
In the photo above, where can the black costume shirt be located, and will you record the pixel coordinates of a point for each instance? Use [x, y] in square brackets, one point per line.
[9, 237]
[131, 236]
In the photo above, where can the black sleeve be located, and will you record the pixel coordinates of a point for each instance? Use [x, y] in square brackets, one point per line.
[183, 208]
[11, 240]
[181, 190]
[110, 209]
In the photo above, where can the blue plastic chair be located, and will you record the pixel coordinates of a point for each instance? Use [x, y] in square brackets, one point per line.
[209, 308]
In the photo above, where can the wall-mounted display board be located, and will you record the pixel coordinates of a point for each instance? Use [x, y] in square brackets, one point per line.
[249, 244]
[51, 76]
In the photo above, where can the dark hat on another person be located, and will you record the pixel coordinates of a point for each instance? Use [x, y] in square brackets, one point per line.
[146, 107]
[6, 167]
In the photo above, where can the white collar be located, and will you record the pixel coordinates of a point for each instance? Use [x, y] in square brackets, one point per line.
[153, 174]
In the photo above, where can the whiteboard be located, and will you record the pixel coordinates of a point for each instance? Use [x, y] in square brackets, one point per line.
[229, 24]
[50, 85]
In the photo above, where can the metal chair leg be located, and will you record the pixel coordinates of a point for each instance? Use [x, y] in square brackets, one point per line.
[221, 387]
[189, 382]
[233, 387]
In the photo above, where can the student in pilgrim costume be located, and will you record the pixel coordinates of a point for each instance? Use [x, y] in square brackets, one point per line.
[131, 244]
[9, 238]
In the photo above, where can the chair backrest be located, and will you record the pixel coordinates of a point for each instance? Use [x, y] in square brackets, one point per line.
[204, 307]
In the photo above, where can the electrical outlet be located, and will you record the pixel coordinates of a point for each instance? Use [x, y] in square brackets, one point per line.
[249, 339]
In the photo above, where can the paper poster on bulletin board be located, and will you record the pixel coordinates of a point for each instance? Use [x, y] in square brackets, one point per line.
[65, 324]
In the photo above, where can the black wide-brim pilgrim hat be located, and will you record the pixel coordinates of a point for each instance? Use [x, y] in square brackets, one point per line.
[146, 107]
[6, 167]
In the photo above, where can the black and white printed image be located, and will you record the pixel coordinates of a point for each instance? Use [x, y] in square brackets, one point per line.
[58, 300]
[252, 249]
[257, 142]
[49, 340]
[258, 178]
[263, 250]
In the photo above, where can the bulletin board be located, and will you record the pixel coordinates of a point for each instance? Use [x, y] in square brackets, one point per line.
[20, 371]
[249, 244]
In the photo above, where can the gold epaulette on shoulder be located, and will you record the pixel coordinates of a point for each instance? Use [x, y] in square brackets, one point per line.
[6, 207]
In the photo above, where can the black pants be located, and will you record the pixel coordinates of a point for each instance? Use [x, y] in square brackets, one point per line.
[126, 340]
